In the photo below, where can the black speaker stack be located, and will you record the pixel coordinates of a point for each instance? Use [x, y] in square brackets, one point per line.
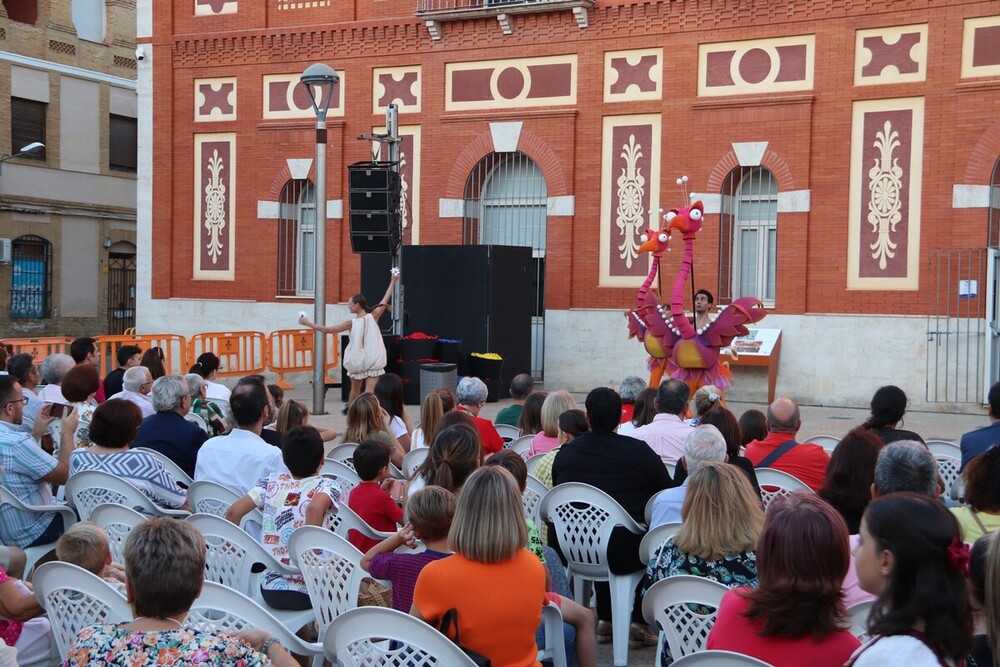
[373, 201]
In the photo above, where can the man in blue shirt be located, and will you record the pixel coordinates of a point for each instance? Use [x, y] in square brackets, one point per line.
[979, 441]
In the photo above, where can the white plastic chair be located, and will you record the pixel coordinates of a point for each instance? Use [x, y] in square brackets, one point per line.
[857, 615]
[343, 453]
[508, 432]
[532, 498]
[345, 520]
[75, 599]
[554, 649]
[331, 567]
[345, 476]
[413, 459]
[195, 419]
[774, 483]
[671, 604]
[648, 512]
[949, 459]
[207, 497]
[232, 553]
[356, 637]
[117, 521]
[34, 553]
[533, 462]
[87, 489]
[827, 442]
[718, 659]
[172, 468]
[655, 538]
[583, 517]
[222, 609]
[520, 445]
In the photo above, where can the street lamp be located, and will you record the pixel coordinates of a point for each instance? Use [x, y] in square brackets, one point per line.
[33, 147]
[320, 80]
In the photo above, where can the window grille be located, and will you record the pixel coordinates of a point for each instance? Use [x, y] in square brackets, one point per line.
[994, 210]
[748, 245]
[31, 277]
[297, 239]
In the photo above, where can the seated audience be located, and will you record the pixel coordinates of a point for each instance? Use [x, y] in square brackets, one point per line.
[165, 569]
[521, 387]
[721, 418]
[239, 459]
[167, 432]
[981, 512]
[86, 545]
[912, 557]
[53, 369]
[389, 392]
[779, 450]
[277, 395]
[430, 511]
[79, 387]
[136, 385]
[128, 356]
[296, 413]
[984, 597]
[888, 407]
[470, 397]
[455, 454]
[554, 405]
[796, 614]
[974, 442]
[705, 399]
[29, 472]
[753, 426]
[22, 368]
[153, 359]
[849, 475]
[23, 625]
[629, 390]
[530, 421]
[627, 470]
[432, 410]
[112, 428]
[210, 413]
[85, 353]
[371, 499]
[642, 412]
[703, 444]
[572, 424]
[368, 420]
[494, 584]
[207, 366]
[722, 520]
[667, 432]
[289, 500]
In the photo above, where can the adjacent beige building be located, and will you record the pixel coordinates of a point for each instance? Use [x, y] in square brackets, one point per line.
[67, 213]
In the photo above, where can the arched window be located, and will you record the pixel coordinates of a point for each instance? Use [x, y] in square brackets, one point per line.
[748, 247]
[994, 211]
[297, 239]
[31, 277]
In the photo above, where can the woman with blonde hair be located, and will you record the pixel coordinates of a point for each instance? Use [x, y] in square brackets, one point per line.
[296, 413]
[554, 405]
[492, 586]
[705, 399]
[435, 404]
[722, 522]
[366, 420]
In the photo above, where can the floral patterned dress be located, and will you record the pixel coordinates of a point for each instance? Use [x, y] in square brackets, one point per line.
[116, 647]
[738, 569]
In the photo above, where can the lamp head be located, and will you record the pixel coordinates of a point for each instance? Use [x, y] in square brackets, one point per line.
[322, 77]
[33, 147]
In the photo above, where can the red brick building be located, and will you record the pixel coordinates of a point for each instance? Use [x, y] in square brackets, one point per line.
[844, 151]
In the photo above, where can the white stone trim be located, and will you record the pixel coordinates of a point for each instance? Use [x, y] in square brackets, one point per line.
[970, 196]
[711, 202]
[143, 19]
[564, 205]
[506, 136]
[794, 201]
[451, 208]
[69, 70]
[750, 153]
[268, 210]
[299, 167]
[335, 209]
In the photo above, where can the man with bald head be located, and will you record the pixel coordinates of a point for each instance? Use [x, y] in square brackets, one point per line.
[780, 450]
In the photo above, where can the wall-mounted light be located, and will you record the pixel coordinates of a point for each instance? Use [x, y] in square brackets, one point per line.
[107, 242]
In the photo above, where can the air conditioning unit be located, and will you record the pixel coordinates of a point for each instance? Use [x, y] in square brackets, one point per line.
[5, 251]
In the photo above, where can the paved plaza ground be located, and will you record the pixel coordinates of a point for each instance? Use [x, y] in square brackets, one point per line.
[815, 420]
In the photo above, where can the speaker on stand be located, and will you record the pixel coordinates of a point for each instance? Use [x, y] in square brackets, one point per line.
[375, 224]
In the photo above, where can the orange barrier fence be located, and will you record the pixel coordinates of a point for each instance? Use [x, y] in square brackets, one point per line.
[291, 351]
[240, 352]
[39, 348]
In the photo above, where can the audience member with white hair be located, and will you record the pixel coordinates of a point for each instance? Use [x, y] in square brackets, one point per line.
[167, 431]
[705, 443]
[208, 410]
[53, 369]
[470, 396]
[137, 382]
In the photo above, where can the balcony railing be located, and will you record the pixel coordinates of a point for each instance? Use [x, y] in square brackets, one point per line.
[436, 11]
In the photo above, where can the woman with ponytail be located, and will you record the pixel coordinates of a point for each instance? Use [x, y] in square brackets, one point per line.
[888, 407]
[455, 454]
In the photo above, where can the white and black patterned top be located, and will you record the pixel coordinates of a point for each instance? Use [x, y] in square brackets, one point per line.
[141, 469]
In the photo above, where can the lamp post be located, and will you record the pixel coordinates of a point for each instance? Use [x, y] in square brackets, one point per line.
[320, 80]
[33, 147]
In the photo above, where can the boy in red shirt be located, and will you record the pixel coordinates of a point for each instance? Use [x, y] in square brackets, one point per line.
[371, 499]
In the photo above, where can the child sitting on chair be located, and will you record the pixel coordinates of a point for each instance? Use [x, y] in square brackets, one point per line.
[431, 510]
[580, 617]
[289, 501]
[371, 499]
[86, 545]
[23, 625]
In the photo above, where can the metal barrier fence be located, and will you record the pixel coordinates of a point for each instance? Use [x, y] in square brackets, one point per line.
[240, 352]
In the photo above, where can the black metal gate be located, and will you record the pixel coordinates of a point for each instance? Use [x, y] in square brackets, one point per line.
[121, 293]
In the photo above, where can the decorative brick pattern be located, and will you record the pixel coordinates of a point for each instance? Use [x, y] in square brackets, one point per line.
[890, 55]
[215, 7]
[396, 85]
[506, 84]
[981, 47]
[215, 99]
[630, 76]
[756, 66]
[285, 97]
[214, 206]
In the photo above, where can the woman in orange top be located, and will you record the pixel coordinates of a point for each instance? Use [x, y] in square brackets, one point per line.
[496, 586]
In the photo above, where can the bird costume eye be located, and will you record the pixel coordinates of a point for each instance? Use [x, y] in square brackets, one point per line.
[643, 238]
[663, 237]
[695, 214]
[670, 216]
